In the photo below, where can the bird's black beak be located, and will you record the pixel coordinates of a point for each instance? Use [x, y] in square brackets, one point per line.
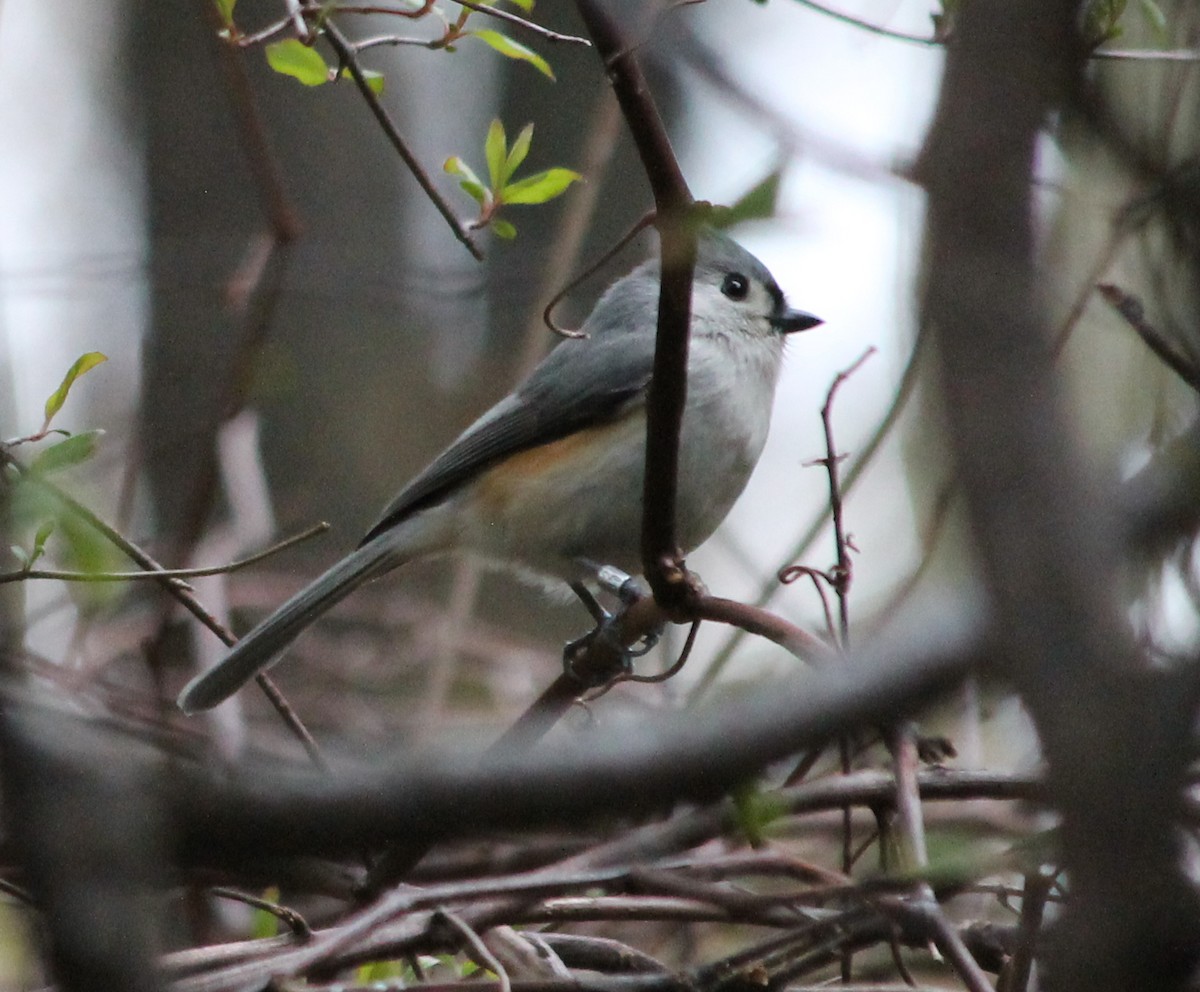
[788, 321]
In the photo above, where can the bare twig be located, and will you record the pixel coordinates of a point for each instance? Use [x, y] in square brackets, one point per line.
[548, 312]
[393, 41]
[345, 53]
[477, 949]
[165, 573]
[869, 26]
[859, 465]
[1147, 54]
[293, 920]
[522, 23]
[1118, 230]
[928, 41]
[1130, 307]
[843, 572]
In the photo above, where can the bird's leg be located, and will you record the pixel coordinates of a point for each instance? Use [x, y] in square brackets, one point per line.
[627, 588]
[605, 644]
[590, 602]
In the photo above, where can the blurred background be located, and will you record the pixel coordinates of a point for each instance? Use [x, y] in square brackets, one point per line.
[255, 387]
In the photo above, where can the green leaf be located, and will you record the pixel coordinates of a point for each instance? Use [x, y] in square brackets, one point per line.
[525, 5]
[83, 363]
[1153, 15]
[503, 229]
[516, 154]
[539, 187]
[293, 58]
[457, 167]
[476, 192]
[225, 10]
[758, 203]
[513, 50]
[264, 924]
[39, 545]
[84, 549]
[495, 147]
[754, 810]
[40, 539]
[381, 971]
[75, 449]
[1101, 21]
[374, 80]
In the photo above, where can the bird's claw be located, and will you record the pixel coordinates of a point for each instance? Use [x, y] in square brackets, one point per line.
[605, 652]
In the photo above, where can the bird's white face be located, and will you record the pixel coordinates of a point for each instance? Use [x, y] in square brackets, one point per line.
[733, 301]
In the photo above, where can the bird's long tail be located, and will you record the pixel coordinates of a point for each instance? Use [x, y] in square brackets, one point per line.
[261, 647]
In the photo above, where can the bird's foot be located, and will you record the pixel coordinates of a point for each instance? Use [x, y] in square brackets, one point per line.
[599, 656]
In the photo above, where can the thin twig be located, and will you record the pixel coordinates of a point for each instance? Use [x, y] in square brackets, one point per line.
[394, 40]
[1034, 897]
[902, 742]
[562, 255]
[843, 572]
[930, 41]
[819, 581]
[1130, 307]
[522, 23]
[263, 34]
[479, 951]
[858, 467]
[548, 313]
[296, 14]
[345, 53]
[416, 13]
[293, 920]
[1147, 54]
[1118, 230]
[165, 573]
[858, 22]
[841, 578]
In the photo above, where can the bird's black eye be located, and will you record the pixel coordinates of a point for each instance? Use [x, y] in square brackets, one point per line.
[735, 286]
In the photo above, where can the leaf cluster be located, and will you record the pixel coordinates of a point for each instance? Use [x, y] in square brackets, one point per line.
[32, 507]
[501, 189]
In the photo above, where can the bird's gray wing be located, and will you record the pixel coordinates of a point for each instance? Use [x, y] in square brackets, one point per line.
[582, 383]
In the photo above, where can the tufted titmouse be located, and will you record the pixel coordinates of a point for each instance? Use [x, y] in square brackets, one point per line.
[549, 480]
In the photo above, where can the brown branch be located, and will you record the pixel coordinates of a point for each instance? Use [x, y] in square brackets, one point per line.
[1114, 733]
[679, 758]
[662, 558]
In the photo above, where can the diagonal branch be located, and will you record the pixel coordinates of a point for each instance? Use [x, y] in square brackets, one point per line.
[345, 53]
